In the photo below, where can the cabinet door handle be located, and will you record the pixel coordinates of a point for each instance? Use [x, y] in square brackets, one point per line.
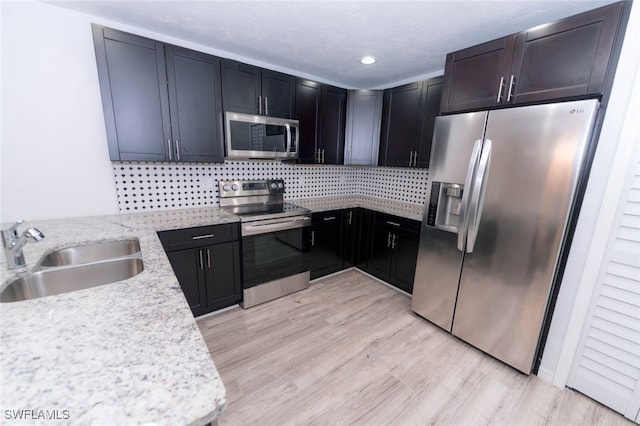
[266, 106]
[322, 155]
[313, 238]
[200, 237]
[318, 155]
[208, 259]
[393, 223]
[329, 218]
[170, 149]
[499, 99]
[350, 216]
[388, 239]
[178, 149]
[511, 85]
[260, 105]
[393, 241]
[200, 255]
[410, 158]
[415, 159]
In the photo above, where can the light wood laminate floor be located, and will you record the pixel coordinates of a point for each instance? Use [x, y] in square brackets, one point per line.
[349, 350]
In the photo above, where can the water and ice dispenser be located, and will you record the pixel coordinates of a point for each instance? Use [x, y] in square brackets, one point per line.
[444, 206]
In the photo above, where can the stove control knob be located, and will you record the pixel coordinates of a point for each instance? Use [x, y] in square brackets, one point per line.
[234, 187]
[226, 188]
[274, 185]
[280, 185]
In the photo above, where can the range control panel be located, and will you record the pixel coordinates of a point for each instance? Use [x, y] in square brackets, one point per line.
[242, 188]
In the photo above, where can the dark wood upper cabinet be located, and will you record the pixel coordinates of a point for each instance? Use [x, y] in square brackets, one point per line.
[134, 95]
[196, 112]
[160, 102]
[432, 94]
[333, 113]
[241, 87]
[279, 94]
[570, 58]
[400, 125]
[307, 107]
[408, 117]
[252, 90]
[475, 77]
[321, 111]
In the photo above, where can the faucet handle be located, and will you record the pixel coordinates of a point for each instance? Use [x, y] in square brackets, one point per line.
[13, 229]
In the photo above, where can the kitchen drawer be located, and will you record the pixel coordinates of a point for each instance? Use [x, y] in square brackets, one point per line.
[200, 236]
[398, 222]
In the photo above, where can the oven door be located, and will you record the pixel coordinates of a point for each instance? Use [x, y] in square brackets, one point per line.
[274, 249]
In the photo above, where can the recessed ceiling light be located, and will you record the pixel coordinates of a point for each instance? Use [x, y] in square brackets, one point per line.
[368, 60]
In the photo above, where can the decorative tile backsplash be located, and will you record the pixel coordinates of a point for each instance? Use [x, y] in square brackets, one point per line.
[160, 186]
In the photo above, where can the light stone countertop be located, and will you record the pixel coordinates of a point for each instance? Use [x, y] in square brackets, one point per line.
[406, 210]
[125, 353]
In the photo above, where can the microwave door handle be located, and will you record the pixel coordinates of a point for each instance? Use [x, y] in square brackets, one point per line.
[466, 194]
[477, 198]
[288, 128]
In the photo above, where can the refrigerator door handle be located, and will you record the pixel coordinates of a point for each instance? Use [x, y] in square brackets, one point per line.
[466, 194]
[477, 198]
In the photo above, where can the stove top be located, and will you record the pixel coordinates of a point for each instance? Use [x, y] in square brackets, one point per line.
[251, 212]
[257, 200]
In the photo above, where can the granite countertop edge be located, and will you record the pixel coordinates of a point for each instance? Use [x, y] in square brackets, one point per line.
[123, 353]
[397, 208]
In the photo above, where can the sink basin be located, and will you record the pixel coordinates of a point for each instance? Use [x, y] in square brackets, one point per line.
[49, 282]
[90, 253]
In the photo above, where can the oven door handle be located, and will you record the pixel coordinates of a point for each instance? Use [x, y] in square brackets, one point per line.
[282, 225]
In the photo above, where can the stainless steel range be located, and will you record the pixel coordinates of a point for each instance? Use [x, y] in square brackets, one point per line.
[276, 239]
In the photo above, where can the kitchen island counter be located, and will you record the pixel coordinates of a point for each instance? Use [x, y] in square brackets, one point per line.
[123, 353]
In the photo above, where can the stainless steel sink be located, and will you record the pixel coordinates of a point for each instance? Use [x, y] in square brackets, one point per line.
[49, 282]
[90, 253]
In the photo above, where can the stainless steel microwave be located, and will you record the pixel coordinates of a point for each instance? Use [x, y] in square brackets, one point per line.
[259, 136]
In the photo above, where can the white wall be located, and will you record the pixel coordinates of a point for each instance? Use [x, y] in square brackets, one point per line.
[599, 205]
[55, 161]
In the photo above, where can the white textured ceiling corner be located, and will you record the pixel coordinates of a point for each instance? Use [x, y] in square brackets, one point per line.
[326, 39]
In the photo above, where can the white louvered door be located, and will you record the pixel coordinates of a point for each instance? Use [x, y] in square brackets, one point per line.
[607, 363]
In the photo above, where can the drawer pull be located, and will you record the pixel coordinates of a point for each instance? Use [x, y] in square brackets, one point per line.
[330, 218]
[393, 223]
[200, 237]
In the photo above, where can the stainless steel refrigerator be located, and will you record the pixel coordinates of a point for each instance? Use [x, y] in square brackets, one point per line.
[500, 193]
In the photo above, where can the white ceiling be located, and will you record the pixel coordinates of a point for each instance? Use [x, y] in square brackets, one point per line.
[325, 40]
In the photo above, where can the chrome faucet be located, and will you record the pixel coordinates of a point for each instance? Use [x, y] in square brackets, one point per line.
[13, 244]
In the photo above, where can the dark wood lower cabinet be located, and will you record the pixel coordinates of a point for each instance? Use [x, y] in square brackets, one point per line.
[326, 243]
[383, 245]
[209, 275]
[394, 250]
[191, 278]
[351, 236]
